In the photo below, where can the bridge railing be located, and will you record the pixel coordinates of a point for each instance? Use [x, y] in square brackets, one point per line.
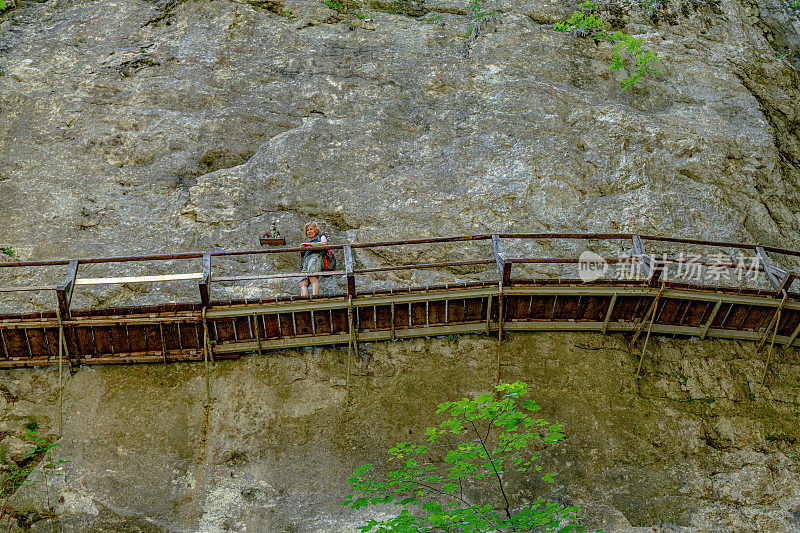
[651, 261]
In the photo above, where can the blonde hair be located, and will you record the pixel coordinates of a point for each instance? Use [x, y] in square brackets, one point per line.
[316, 227]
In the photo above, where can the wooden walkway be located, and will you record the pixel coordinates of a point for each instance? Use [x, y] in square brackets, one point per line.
[651, 304]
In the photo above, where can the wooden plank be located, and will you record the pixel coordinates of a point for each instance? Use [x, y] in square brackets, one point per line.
[789, 321]
[590, 308]
[84, 339]
[517, 307]
[475, 309]
[710, 319]
[541, 307]
[737, 316]
[189, 336]
[365, 318]
[37, 343]
[383, 317]
[243, 326]
[401, 316]
[224, 330]
[609, 312]
[757, 318]
[137, 338]
[418, 314]
[272, 327]
[793, 336]
[138, 279]
[456, 311]
[339, 318]
[153, 337]
[172, 339]
[626, 308]
[3, 353]
[119, 338]
[102, 339]
[322, 322]
[287, 324]
[668, 313]
[695, 313]
[437, 312]
[303, 323]
[722, 317]
[52, 341]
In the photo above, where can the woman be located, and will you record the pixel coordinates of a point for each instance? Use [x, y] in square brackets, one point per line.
[312, 261]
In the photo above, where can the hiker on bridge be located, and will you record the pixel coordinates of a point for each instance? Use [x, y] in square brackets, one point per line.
[312, 261]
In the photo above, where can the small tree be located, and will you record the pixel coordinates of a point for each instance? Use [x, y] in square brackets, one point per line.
[468, 453]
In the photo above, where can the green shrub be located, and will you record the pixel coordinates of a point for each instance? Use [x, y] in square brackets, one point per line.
[585, 22]
[480, 442]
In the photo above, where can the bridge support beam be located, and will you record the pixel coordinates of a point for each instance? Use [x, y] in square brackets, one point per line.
[206, 354]
[771, 344]
[711, 317]
[650, 311]
[793, 336]
[350, 344]
[499, 328]
[776, 318]
[609, 312]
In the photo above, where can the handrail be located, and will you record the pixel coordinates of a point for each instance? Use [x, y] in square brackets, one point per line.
[650, 263]
[376, 244]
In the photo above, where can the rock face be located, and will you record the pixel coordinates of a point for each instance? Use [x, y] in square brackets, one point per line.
[691, 446]
[135, 127]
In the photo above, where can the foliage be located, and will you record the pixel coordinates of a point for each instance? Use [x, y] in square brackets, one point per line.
[39, 452]
[8, 250]
[480, 441]
[335, 4]
[435, 18]
[3, 5]
[585, 22]
[477, 24]
[795, 4]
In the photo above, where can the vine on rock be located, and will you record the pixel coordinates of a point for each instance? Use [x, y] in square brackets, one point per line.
[585, 22]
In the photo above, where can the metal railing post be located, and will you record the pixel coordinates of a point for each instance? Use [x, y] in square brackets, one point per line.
[205, 282]
[348, 271]
[503, 265]
[779, 278]
[65, 290]
[651, 271]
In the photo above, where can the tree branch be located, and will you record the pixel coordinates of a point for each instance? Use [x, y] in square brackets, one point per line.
[497, 475]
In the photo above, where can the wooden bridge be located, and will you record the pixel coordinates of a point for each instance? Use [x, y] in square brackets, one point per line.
[650, 302]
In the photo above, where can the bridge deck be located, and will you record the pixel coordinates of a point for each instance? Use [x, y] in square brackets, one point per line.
[169, 333]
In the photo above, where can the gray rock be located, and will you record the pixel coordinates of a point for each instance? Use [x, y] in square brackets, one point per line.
[14, 449]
